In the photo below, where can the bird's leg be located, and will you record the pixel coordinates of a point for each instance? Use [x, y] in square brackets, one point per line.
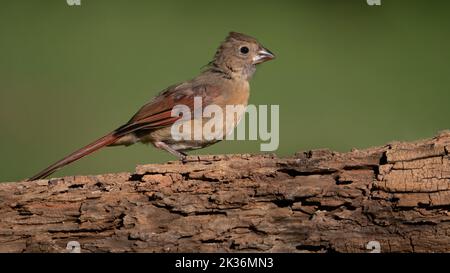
[164, 146]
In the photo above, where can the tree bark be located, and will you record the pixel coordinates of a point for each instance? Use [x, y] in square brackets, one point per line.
[393, 198]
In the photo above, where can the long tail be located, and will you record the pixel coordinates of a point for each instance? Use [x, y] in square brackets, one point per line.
[88, 149]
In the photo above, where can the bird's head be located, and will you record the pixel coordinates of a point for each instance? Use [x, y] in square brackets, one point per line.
[239, 54]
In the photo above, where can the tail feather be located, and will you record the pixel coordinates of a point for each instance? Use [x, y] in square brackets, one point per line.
[88, 149]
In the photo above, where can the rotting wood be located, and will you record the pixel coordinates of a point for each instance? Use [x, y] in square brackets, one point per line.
[317, 201]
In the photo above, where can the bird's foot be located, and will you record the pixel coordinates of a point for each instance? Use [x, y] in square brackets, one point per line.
[181, 156]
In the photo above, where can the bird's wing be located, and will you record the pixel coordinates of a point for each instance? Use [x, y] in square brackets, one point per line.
[154, 114]
[158, 112]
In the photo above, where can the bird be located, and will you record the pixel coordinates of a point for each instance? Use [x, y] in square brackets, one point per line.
[223, 81]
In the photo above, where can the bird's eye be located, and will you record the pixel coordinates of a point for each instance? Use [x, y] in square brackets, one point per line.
[244, 50]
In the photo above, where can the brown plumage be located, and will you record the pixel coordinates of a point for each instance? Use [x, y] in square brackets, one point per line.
[223, 82]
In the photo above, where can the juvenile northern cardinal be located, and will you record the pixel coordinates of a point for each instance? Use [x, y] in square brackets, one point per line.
[225, 81]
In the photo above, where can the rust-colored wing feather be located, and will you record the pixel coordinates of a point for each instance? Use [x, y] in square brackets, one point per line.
[158, 112]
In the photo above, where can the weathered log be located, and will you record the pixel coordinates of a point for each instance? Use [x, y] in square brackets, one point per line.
[394, 198]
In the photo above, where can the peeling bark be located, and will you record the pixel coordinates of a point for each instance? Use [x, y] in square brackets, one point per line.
[397, 195]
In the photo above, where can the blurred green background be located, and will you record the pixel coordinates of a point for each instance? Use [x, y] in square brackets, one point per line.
[347, 74]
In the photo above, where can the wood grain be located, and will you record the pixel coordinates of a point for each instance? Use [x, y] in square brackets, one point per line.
[316, 201]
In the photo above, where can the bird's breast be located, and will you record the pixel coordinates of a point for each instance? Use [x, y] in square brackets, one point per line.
[233, 103]
[237, 93]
